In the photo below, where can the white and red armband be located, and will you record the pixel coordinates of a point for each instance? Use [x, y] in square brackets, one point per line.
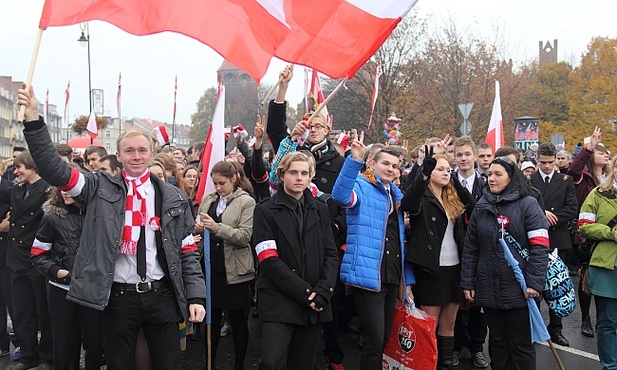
[538, 237]
[39, 247]
[265, 250]
[188, 244]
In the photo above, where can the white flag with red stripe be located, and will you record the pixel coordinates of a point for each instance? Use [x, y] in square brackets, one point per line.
[336, 37]
[378, 72]
[67, 95]
[92, 128]
[214, 150]
[494, 136]
[47, 106]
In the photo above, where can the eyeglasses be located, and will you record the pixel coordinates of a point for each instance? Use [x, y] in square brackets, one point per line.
[317, 127]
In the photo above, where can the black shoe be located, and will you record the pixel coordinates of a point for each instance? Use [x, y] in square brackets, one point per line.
[558, 338]
[586, 328]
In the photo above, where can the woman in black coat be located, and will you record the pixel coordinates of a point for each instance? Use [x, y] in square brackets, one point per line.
[486, 277]
[53, 254]
[439, 208]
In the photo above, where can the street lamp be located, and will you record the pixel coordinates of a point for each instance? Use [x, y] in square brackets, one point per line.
[84, 40]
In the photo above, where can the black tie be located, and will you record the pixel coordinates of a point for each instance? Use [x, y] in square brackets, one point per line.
[141, 254]
[547, 180]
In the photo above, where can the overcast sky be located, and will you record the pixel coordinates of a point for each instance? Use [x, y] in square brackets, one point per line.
[150, 63]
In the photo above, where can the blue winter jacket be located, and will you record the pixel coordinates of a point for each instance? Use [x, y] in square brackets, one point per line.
[366, 201]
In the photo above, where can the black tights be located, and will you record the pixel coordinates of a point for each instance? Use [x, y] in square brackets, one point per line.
[584, 299]
[240, 333]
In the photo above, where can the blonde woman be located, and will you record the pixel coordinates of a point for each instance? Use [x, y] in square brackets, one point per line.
[438, 208]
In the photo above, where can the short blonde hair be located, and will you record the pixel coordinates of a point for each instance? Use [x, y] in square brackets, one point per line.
[289, 158]
[132, 133]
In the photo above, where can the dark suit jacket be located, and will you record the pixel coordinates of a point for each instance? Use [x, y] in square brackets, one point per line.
[560, 199]
[4, 209]
[26, 215]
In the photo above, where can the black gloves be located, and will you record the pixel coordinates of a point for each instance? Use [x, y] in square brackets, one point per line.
[429, 163]
[320, 301]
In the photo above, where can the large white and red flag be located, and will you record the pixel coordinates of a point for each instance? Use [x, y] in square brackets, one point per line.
[92, 128]
[336, 40]
[214, 150]
[378, 73]
[67, 95]
[494, 136]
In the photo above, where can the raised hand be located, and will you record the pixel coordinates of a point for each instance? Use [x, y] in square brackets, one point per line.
[286, 74]
[358, 149]
[298, 130]
[259, 131]
[595, 139]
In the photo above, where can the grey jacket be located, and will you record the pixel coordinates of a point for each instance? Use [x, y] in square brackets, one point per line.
[104, 197]
[236, 229]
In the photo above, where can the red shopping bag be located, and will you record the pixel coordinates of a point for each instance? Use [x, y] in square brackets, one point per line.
[412, 344]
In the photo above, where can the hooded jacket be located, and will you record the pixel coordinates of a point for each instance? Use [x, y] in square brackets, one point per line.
[236, 229]
[57, 240]
[484, 267]
[366, 200]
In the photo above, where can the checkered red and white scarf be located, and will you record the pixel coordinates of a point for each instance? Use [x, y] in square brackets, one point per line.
[134, 214]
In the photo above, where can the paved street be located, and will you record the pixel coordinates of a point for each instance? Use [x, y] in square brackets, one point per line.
[581, 354]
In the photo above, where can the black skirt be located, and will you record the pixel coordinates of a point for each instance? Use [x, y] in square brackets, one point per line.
[232, 297]
[438, 289]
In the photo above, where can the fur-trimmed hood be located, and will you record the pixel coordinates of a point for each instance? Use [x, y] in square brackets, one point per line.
[60, 210]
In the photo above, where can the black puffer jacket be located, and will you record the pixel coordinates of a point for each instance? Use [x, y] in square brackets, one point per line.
[60, 230]
[484, 267]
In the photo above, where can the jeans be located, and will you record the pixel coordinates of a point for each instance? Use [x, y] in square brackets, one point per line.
[607, 332]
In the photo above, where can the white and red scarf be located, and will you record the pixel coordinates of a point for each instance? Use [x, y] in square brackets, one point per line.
[135, 213]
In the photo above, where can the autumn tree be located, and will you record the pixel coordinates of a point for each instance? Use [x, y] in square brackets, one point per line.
[592, 96]
[351, 108]
[202, 118]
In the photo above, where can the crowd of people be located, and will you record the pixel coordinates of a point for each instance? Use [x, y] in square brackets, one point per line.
[105, 254]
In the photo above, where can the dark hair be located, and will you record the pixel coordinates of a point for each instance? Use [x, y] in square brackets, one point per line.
[505, 151]
[230, 169]
[547, 149]
[25, 159]
[95, 149]
[388, 150]
[517, 178]
[114, 163]
[19, 149]
[64, 150]
[181, 150]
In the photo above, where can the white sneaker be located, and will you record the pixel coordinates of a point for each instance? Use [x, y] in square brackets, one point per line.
[225, 329]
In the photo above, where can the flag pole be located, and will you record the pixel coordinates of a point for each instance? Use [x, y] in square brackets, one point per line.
[35, 53]
[269, 93]
[325, 102]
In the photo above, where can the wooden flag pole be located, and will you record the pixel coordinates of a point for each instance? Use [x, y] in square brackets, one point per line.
[35, 54]
[269, 93]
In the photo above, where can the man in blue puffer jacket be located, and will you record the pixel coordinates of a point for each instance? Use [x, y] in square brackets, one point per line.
[373, 264]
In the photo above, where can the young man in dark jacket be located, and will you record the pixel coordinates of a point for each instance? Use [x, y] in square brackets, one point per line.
[31, 314]
[561, 207]
[298, 266]
[138, 262]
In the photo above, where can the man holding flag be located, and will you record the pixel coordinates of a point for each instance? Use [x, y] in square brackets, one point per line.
[140, 264]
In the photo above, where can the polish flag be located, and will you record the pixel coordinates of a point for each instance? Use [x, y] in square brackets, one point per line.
[240, 130]
[494, 136]
[336, 40]
[67, 95]
[214, 150]
[92, 128]
[378, 73]
[316, 94]
[119, 96]
[47, 106]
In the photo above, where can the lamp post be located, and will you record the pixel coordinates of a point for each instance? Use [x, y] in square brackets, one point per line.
[84, 40]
